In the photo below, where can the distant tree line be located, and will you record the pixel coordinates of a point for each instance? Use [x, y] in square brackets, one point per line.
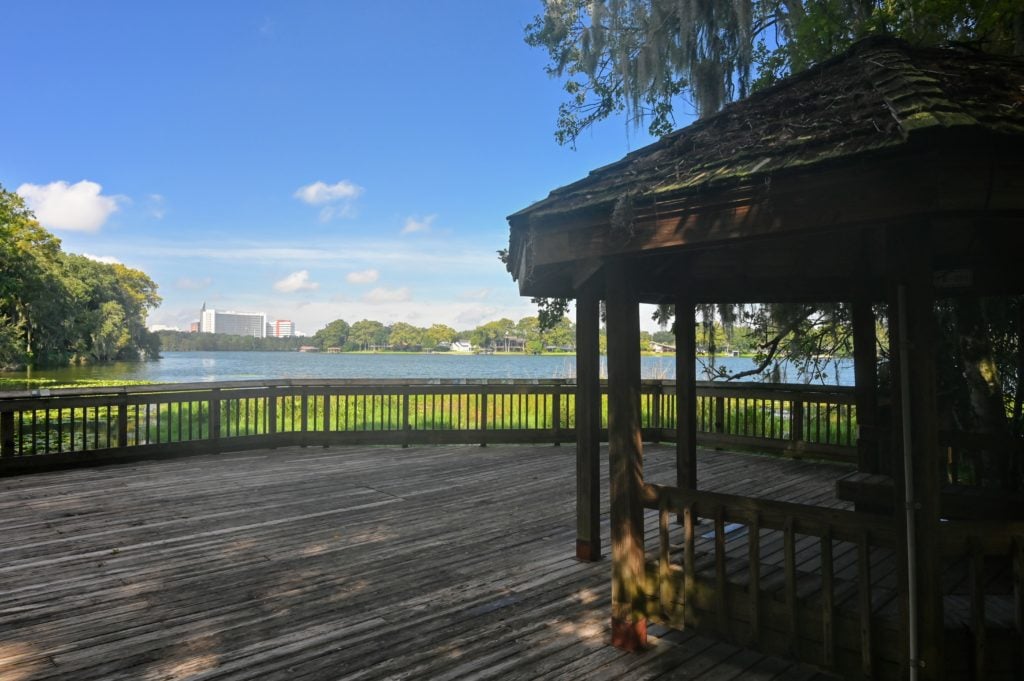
[502, 335]
[183, 341]
[57, 307]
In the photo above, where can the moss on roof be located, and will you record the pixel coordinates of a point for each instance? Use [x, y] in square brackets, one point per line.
[879, 95]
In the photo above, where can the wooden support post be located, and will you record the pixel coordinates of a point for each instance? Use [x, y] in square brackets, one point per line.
[556, 415]
[913, 301]
[866, 385]
[6, 433]
[122, 423]
[214, 415]
[625, 454]
[483, 418]
[588, 427]
[325, 425]
[406, 428]
[303, 418]
[796, 433]
[272, 412]
[686, 395]
[719, 414]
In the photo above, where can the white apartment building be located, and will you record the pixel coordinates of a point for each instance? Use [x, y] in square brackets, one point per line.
[233, 323]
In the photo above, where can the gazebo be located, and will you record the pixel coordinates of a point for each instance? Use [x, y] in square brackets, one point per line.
[889, 174]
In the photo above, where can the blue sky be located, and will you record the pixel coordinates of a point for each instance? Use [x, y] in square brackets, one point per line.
[310, 160]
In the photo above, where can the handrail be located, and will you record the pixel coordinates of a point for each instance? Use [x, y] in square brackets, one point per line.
[212, 416]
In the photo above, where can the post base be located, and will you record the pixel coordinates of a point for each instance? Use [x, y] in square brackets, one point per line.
[629, 635]
[587, 551]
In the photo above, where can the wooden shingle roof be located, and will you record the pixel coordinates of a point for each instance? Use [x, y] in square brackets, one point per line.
[883, 133]
[881, 94]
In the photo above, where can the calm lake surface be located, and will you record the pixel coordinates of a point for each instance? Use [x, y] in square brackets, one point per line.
[185, 367]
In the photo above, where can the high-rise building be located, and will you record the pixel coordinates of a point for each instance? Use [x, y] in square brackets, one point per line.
[193, 327]
[233, 323]
[281, 328]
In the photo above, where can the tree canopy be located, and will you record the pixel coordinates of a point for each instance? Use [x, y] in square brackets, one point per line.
[648, 57]
[57, 307]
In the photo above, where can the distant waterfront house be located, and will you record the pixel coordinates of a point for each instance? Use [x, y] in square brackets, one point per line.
[461, 346]
[661, 347]
[308, 348]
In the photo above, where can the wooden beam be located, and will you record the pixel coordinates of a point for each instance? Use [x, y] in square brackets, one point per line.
[625, 456]
[588, 426]
[686, 393]
[865, 373]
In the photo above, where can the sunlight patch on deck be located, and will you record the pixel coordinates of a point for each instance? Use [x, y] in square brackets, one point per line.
[17, 654]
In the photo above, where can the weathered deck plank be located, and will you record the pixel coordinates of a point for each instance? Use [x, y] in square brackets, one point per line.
[361, 563]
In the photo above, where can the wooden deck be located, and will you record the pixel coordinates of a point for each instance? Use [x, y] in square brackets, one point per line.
[340, 563]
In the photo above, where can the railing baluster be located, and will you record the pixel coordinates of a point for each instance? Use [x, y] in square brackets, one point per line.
[1018, 595]
[864, 593]
[664, 568]
[977, 591]
[7, 434]
[721, 585]
[828, 643]
[789, 550]
[754, 583]
[689, 561]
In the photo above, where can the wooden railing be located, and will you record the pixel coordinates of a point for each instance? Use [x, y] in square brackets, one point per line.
[984, 571]
[796, 419]
[79, 423]
[797, 580]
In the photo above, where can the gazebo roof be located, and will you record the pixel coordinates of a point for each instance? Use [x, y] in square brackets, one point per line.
[881, 100]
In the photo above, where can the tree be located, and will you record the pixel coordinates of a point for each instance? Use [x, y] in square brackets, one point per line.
[647, 57]
[367, 333]
[334, 335]
[58, 306]
[438, 334]
[405, 337]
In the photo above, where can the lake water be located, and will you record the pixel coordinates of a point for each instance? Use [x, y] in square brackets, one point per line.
[184, 367]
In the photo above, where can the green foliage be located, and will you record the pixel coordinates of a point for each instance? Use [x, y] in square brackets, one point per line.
[648, 57]
[366, 334]
[403, 336]
[438, 334]
[334, 335]
[57, 307]
[181, 341]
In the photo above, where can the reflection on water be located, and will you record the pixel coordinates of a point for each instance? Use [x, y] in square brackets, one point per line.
[187, 367]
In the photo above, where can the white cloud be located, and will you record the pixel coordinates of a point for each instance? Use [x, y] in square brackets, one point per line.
[79, 207]
[382, 295]
[337, 199]
[414, 224]
[362, 277]
[296, 281]
[187, 284]
[321, 192]
[108, 259]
